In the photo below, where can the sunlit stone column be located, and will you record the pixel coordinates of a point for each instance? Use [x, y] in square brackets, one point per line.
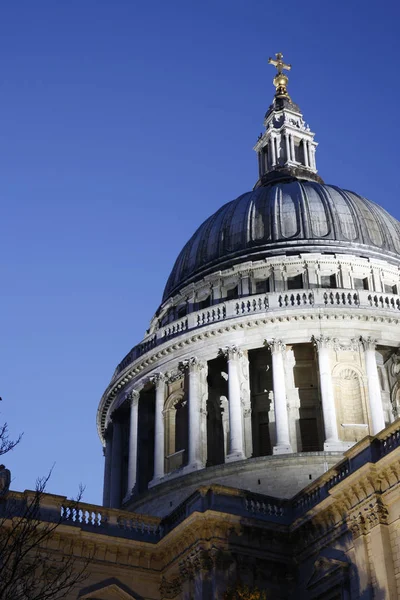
[133, 399]
[116, 464]
[283, 446]
[159, 444]
[233, 355]
[292, 148]
[192, 368]
[287, 142]
[374, 388]
[305, 150]
[107, 465]
[273, 150]
[323, 345]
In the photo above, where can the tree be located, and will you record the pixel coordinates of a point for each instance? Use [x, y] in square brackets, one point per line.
[30, 567]
[244, 592]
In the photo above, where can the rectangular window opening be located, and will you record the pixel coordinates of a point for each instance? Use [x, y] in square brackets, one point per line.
[295, 283]
[328, 281]
[262, 287]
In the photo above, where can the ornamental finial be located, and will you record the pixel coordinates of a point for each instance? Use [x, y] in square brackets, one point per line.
[280, 80]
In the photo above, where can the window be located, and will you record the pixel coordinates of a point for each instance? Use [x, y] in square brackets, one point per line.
[204, 303]
[328, 281]
[361, 283]
[390, 289]
[181, 311]
[232, 293]
[295, 283]
[298, 152]
[262, 287]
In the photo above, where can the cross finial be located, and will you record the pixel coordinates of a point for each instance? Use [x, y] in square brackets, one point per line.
[280, 79]
[278, 63]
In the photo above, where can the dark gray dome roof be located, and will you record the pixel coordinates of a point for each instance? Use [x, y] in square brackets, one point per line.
[286, 217]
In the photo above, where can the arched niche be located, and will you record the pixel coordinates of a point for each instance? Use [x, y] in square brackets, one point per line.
[350, 390]
[176, 431]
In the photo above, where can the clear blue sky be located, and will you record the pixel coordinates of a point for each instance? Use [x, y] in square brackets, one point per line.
[123, 125]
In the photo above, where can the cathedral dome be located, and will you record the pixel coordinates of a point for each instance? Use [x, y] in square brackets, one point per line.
[289, 216]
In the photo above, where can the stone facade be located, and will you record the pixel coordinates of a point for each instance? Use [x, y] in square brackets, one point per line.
[337, 538]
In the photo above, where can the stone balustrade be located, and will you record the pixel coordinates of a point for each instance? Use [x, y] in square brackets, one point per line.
[264, 304]
[119, 523]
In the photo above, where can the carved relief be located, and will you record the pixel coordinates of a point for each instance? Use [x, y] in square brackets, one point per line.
[368, 343]
[275, 345]
[191, 364]
[230, 352]
[322, 342]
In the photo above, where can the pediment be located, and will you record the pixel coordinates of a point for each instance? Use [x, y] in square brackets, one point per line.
[326, 567]
[107, 590]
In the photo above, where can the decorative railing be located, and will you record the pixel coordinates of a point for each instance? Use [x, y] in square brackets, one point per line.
[390, 302]
[108, 520]
[297, 299]
[262, 506]
[172, 329]
[263, 304]
[210, 315]
[122, 523]
[252, 305]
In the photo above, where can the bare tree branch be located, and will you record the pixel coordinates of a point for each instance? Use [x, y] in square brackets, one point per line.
[32, 566]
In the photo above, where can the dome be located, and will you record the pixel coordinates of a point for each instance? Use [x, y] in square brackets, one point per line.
[294, 216]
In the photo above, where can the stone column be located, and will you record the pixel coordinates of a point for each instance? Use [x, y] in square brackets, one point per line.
[233, 354]
[159, 443]
[116, 464]
[273, 151]
[244, 377]
[283, 446]
[192, 368]
[107, 450]
[292, 148]
[374, 388]
[287, 147]
[305, 150]
[133, 398]
[323, 345]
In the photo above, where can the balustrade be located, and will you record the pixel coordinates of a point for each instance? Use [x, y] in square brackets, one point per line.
[262, 506]
[264, 303]
[252, 305]
[210, 315]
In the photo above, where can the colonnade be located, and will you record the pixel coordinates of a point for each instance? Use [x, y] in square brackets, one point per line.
[193, 369]
[274, 147]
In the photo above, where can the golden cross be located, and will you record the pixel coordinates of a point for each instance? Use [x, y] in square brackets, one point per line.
[278, 63]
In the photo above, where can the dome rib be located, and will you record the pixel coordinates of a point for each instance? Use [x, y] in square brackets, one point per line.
[305, 216]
